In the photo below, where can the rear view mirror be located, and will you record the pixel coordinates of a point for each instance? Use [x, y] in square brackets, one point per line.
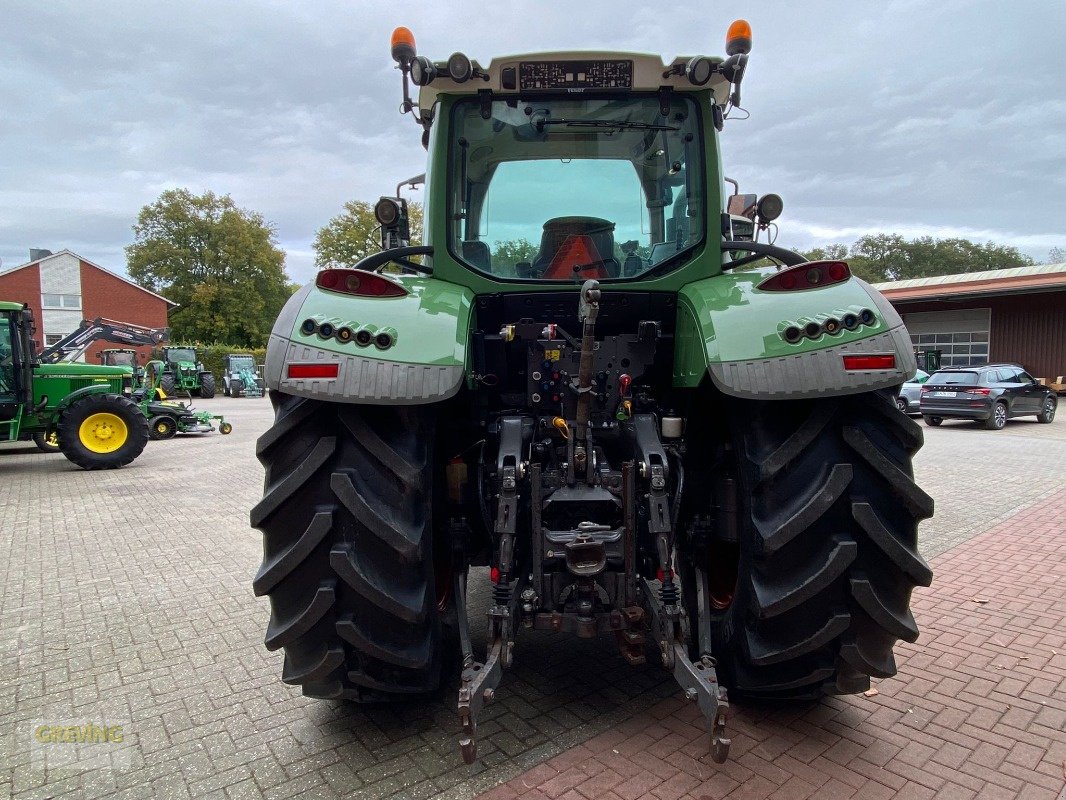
[742, 205]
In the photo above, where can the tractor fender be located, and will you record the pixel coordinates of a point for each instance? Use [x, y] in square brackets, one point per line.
[426, 361]
[73, 397]
[78, 394]
[733, 332]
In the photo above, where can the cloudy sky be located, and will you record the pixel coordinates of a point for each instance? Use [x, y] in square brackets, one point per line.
[945, 118]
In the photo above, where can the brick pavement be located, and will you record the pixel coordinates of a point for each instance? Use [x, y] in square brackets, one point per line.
[978, 708]
[126, 595]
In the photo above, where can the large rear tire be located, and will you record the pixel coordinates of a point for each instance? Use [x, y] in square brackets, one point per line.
[102, 431]
[827, 553]
[168, 384]
[348, 550]
[207, 385]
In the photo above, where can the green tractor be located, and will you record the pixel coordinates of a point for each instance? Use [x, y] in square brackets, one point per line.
[78, 409]
[123, 357]
[166, 418]
[183, 371]
[646, 426]
[240, 376]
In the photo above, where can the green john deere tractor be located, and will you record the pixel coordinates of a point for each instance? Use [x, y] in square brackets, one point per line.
[185, 372]
[78, 409]
[599, 383]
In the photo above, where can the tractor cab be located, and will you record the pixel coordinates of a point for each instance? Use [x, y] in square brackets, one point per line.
[16, 362]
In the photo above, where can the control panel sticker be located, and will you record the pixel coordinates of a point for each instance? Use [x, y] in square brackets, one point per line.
[576, 75]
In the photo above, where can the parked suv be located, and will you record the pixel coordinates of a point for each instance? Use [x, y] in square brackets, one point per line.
[991, 394]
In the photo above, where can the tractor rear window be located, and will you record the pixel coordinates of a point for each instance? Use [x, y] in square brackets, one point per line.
[570, 189]
[175, 356]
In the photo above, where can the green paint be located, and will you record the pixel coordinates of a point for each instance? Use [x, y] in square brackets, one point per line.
[430, 325]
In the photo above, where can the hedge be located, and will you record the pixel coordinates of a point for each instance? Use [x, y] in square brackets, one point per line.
[212, 355]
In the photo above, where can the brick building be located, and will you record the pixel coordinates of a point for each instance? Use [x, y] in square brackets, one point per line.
[1014, 315]
[63, 288]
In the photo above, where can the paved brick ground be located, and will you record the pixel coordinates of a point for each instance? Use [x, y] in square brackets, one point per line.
[125, 598]
[978, 708]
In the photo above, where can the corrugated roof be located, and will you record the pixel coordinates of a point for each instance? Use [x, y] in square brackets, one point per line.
[975, 277]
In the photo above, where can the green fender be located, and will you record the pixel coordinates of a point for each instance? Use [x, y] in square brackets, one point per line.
[425, 361]
[732, 331]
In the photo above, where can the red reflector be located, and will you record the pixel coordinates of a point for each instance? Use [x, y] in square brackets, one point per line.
[854, 363]
[809, 275]
[358, 283]
[313, 370]
[494, 574]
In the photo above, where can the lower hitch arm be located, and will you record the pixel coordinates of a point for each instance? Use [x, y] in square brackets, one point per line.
[478, 683]
[698, 679]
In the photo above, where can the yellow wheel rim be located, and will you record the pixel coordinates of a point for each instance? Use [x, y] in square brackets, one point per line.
[103, 432]
[161, 427]
[52, 440]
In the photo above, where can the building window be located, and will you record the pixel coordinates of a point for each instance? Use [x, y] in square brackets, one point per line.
[61, 301]
[52, 338]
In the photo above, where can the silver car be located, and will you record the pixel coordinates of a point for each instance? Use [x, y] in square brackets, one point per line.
[911, 392]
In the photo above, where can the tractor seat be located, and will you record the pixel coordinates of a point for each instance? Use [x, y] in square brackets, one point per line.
[598, 232]
[477, 254]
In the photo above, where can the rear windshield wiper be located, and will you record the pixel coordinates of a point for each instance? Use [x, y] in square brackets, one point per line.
[604, 123]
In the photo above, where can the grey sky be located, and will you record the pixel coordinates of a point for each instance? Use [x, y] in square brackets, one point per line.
[941, 118]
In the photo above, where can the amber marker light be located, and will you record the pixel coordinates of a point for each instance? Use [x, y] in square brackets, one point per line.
[403, 45]
[738, 38]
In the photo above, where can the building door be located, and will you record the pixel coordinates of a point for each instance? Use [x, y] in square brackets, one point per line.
[961, 335]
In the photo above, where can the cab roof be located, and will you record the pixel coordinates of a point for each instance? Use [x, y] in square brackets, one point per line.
[504, 75]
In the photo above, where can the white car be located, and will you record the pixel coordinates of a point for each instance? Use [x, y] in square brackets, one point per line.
[911, 392]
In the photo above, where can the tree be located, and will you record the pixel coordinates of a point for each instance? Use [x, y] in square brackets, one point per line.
[1057, 255]
[890, 257]
[507, 253]
[354, 234]
[220, 263]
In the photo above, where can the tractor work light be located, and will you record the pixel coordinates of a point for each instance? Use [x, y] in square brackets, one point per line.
[459, 67]
[861, 363]
[313, 370]
[423, 71]
[403, 45]
[387, 211]
[359, 283]
[809, 275]
[770, 207]
[738, 38]
[699, 70]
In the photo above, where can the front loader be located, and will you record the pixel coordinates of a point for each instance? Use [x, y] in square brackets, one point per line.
[594, 379]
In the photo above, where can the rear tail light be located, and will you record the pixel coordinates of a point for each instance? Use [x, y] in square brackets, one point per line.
[980, 391]
[313, 370]
[359, 283]
[858, 363]
[809, 275]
